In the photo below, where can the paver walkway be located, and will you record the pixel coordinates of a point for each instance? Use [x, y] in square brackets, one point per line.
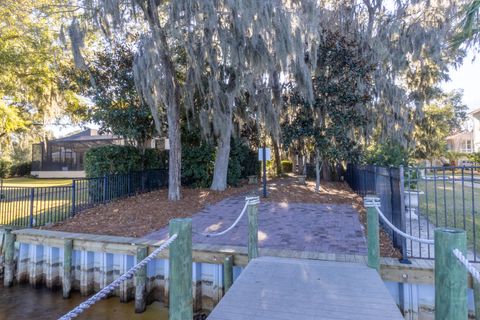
[329, 228]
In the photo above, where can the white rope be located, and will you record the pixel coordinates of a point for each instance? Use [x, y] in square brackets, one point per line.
[375, 203]
[112, 286]
[248, 201]
[470, 268]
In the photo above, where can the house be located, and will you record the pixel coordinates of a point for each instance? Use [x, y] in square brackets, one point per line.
[468, 140]
[64, 157]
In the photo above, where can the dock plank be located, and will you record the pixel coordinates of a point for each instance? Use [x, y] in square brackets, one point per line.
[282, 288]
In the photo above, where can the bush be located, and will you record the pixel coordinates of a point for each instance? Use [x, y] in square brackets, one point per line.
[197, 165]
[112, 159]
[155, 159]
[21, 169]
[4, 168]
[287, 166]
[250, 163]
[388, 153]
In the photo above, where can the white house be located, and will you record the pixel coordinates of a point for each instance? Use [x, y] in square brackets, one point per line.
[468, 140]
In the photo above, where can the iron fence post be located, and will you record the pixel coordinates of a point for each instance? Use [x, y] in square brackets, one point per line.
[73, 198]
[402, 222]
[32, 200]
[104, 189]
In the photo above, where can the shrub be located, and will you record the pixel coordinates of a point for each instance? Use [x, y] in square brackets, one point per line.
[155, 159]
[4, 168]
[250, 163]
[388, 153]
[287, 166]
[197, 165]
[236, 171]
[111, 159]
[21, 169]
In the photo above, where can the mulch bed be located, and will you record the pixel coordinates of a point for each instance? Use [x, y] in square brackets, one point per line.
[144, 213]
[148, 212]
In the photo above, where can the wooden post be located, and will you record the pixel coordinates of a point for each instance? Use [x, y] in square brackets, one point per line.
[9, 269]
[227, 273]
[180, 268]
[450, 275]
[252, 229]
[373, 232]
[140, 282]
[476, 298]
[67, 267]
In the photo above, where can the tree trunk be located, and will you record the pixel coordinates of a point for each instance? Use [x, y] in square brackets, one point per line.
[222, 157]
[276, 153]
[174, 154]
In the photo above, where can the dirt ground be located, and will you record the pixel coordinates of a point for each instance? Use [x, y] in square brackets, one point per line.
[148, 212]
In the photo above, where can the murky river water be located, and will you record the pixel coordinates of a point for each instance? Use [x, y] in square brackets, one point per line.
[25, 302]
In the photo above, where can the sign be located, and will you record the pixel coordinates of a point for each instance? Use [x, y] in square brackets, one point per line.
[267, 154]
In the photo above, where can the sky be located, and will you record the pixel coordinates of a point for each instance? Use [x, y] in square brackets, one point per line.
[467, 77]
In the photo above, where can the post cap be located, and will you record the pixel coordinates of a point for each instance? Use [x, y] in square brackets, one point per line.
[371, 202]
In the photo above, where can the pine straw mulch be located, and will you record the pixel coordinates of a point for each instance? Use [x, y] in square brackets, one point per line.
[145, 213]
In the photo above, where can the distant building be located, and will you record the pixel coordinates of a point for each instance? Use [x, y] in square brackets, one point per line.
[64, 157]
[468, 140]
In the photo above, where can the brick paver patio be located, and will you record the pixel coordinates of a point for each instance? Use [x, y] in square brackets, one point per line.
[328, 228]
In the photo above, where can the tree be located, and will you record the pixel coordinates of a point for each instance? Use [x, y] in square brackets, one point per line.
[468, 28]
[329, 127]
[442, 117]
[117, 106]
[30, 56]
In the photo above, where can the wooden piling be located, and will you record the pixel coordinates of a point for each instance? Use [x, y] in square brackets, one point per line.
[67, 268]
[476, 298]
[140, 282]
[9, 269]
[252, 231]
[227, 273]
[373, 239]
[180, 268]
[450, 275]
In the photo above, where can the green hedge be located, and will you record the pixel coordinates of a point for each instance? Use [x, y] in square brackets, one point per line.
[4, 168]
[21, 169]
[112, 159]
[197, 165]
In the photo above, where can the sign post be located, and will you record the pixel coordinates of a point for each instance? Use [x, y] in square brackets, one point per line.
[264, 155]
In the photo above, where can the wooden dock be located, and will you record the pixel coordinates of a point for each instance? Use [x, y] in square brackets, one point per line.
[284, 289]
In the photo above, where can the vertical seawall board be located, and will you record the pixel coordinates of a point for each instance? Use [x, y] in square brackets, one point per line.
[98, 260]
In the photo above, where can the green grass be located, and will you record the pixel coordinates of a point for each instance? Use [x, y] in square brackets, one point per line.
[52, 202]
[456, 206]
[36, 182]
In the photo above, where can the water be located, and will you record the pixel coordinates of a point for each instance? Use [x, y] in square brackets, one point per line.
[26, 302]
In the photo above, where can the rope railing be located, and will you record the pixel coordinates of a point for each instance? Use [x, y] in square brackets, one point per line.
[112, 286]
[248, 201]
[470, 268]
[371, 202]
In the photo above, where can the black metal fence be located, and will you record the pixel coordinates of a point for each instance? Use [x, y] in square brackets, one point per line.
[38, 206]
[419, 199]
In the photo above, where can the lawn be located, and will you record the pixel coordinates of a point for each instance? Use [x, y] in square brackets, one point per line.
[449, 204]
[35, 182]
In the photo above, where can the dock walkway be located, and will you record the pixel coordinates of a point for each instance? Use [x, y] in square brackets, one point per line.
[284, 289]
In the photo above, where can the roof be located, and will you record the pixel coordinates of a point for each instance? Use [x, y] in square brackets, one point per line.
[475, 111]
[460, 135]
[86, 135]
